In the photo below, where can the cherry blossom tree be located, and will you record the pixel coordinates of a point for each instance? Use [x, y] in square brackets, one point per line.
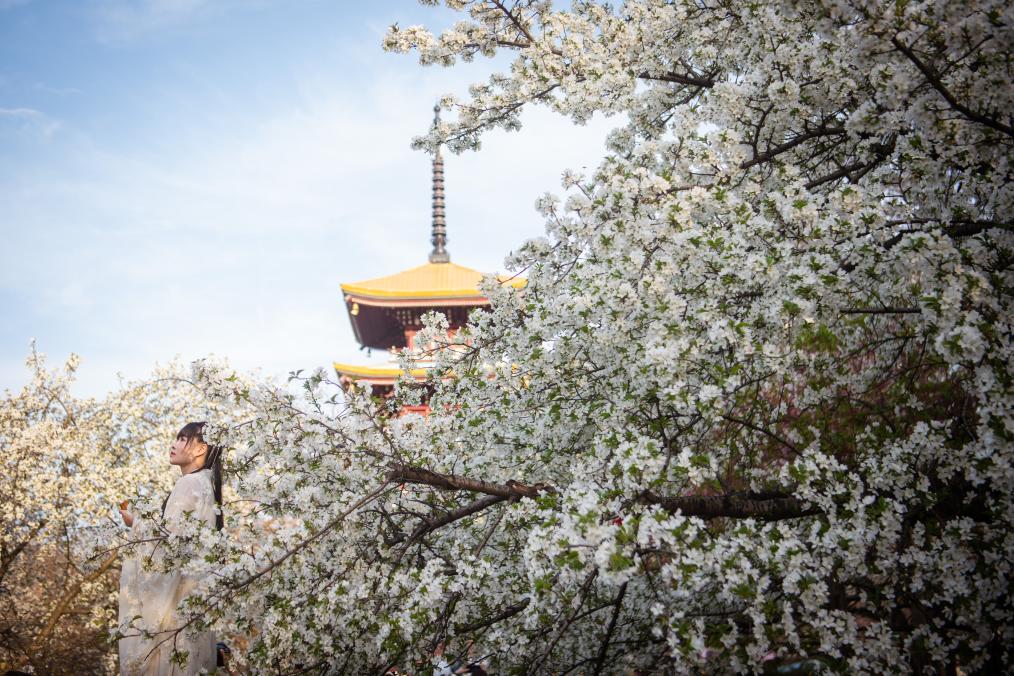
[67, 464]
[753, 407]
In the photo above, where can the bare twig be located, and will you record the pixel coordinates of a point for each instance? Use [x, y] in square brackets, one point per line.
[61, 607]
[774, 151]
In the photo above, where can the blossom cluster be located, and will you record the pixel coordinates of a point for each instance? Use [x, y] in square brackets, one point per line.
[753, 406]
[764, 353]
[69, 462]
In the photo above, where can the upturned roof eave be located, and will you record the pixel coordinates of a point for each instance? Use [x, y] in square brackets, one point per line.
[375, 372]
[431, 282]
[379, 296]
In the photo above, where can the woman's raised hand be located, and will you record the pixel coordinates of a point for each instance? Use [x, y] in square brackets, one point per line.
[128, 519]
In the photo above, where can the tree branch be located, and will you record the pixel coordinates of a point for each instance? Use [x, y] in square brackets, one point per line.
[882, 311]
[969, 228]
[957, 228]
[688, 80]
[8, 559]
[61, 606]
[515, 21]
[604, 647]
[768, 433]
[380, 490]
[933, 78]
[730, 506]
[844, 172]
[768, 506]
[508, 612]
[431, 524]
[774, 151]
[418, 475]
[583, 595]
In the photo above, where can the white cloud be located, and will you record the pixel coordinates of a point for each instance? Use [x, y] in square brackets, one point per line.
[27, 122]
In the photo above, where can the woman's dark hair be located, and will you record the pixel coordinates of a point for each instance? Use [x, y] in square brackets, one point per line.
[212, 460]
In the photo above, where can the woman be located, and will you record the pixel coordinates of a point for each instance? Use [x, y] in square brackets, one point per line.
[155, 596]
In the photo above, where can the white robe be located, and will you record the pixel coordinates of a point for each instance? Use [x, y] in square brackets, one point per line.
[155, 596]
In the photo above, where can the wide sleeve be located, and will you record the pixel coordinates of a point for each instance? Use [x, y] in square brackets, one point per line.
[194, 498]
[191, 498]
[156, 596]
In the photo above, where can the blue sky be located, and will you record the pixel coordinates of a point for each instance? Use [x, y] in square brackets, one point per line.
[194, 177]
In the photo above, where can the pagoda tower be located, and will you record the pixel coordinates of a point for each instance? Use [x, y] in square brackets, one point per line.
[386, 312]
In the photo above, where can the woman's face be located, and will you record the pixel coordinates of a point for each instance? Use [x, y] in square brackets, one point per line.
[184, 450]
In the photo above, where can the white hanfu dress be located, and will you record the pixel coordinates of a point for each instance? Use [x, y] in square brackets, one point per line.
[155, 596]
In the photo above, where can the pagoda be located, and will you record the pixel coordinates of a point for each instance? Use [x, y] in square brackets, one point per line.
[386, 312]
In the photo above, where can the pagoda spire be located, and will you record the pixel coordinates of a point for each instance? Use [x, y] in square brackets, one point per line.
[439, 237]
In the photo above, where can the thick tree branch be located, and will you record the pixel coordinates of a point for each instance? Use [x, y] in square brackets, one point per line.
[957, 228]
[933, 78]
[418, 475]
[600, 659]
[768, 507]
[432, 524]
[970, 228]
[705, 82]
[882, 311]
[730, 506]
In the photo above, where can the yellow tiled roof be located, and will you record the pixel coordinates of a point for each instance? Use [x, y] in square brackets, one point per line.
[432, 280]
[367, 372]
